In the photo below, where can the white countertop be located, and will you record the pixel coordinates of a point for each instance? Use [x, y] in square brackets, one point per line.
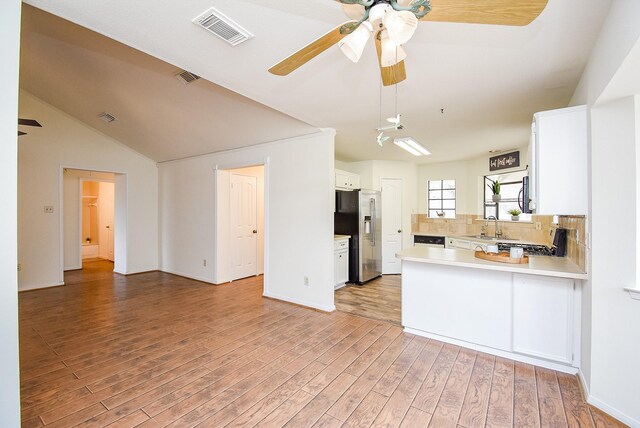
[340, 237]
[560, 267]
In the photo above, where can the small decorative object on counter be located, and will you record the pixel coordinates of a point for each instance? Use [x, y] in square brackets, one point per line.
[515, 214]
[495, 189]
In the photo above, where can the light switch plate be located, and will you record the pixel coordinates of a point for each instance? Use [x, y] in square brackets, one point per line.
[48, 209]
[538, 225]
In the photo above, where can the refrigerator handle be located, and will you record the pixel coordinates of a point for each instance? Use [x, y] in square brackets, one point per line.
[374, 220]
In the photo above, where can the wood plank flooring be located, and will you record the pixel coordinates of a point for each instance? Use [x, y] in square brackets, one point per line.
[155, 350]
[378, 299]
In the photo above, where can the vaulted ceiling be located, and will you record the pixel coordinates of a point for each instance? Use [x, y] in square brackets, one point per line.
[470, 88]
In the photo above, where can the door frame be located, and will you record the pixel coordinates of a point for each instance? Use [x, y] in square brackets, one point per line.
[259, 161]
[120, 262]
[401, 211]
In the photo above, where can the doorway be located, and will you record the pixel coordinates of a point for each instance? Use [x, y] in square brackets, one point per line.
[240, 201]
[391, 224]
[93, 205]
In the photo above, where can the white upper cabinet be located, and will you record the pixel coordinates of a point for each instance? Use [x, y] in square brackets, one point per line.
[558, 162]
[347, 180]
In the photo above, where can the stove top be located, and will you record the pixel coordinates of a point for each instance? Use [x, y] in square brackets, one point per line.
[529, 249]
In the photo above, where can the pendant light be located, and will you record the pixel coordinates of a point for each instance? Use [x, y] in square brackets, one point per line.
[353, 45]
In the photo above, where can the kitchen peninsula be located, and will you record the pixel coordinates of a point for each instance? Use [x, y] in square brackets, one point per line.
[528, 312]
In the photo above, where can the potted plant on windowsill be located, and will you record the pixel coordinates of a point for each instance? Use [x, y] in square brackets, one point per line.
[515, 214]
[495, 189]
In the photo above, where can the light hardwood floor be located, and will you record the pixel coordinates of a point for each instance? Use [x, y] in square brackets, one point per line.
[378, 299]
[159, 350]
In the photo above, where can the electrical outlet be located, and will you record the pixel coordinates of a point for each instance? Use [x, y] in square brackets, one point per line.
[204, 262]
[306, 281]
[48, 209]
[538, 225]
[19, 267]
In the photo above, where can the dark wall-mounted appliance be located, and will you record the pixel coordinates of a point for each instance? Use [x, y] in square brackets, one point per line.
[524, 197]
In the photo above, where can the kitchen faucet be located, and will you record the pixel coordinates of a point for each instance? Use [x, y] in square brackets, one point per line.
[498, 232]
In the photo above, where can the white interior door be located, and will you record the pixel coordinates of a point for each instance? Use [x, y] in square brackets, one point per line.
[106, 219]
[243, 213]
[391, 224]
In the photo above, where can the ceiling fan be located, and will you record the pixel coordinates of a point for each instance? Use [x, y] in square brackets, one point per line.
[27, 122]
[393, 22]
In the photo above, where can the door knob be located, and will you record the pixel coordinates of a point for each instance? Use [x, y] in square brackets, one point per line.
[399, 231]
[255, 231]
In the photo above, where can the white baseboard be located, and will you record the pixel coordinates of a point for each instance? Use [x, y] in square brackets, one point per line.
[66, 268]
[625, 419]
[505, 354]
[39, 286]
[301, 302]
[186, 275]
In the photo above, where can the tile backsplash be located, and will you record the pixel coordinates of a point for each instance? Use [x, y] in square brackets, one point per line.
[471, 224]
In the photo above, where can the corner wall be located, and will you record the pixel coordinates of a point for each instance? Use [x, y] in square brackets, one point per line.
[9, 370]
[66, 142]
[299, 199]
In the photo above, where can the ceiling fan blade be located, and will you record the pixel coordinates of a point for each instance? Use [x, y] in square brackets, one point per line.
[496, 12]
[309, 52]
[390, 75]
[29, 122]
[20, 133]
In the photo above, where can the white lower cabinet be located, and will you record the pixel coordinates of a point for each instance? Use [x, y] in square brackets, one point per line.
[543, 317]
[341, 263]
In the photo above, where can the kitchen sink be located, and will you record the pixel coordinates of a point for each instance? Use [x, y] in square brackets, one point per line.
[490, 238]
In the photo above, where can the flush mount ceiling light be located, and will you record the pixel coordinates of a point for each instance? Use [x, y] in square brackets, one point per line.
[394, 22]
[412, 146]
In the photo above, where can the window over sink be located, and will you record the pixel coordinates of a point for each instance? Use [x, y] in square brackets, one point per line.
[442, 198]
[510, 188]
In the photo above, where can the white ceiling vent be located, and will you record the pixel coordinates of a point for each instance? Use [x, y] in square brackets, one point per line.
[217, 23]
[186, 77]
[106, 117]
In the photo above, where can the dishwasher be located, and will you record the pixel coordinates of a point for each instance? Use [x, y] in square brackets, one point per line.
[428, 241]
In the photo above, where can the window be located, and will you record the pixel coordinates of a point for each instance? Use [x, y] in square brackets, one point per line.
[510, 187]
[442, 198]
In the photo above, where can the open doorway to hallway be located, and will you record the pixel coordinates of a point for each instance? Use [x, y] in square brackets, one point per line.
[240, 201]
[89, 219]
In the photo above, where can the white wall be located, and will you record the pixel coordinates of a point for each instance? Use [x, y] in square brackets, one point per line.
[9, 372]
[222, 267]
[299, 183]
[610, 318]
[469, 175]
[66, 142]
[615, 317]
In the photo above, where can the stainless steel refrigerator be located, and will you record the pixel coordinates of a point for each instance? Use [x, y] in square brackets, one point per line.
[358, 213]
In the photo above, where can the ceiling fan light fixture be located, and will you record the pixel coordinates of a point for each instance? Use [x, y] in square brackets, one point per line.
[400, 25]
[353, 45]
[378, 12]
[391, 52]
[412, 146]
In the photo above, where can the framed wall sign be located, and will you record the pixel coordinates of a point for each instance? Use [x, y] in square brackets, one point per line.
[504, 161]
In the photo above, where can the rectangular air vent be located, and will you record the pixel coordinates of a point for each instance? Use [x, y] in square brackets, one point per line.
[106, 117]
[186, 77]
[217, 23]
